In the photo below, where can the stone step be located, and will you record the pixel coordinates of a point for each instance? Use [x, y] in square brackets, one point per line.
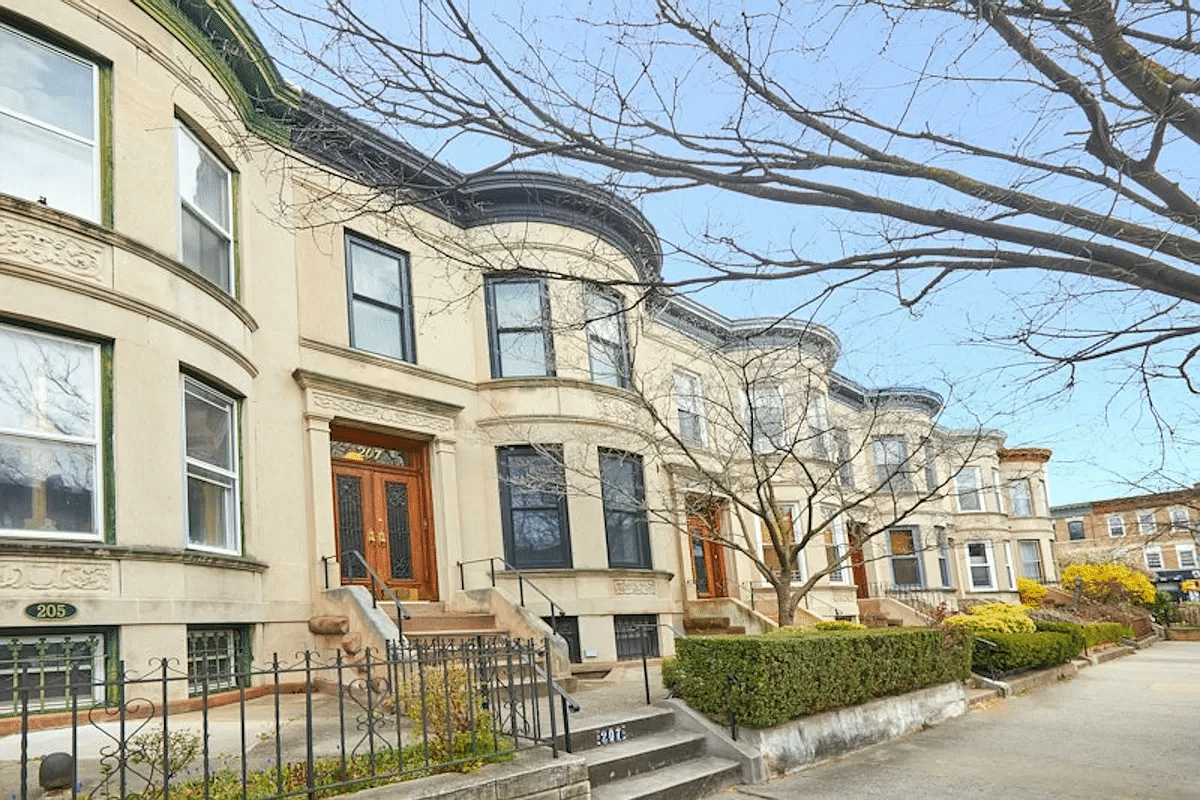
[449, 622]
[619, 727]
[702, 623]
[731, 630]
[689, 780]
[624, 759]
[418, 608]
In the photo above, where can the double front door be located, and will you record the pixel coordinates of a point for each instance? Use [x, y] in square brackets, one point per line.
[708, 554]
[382, 513]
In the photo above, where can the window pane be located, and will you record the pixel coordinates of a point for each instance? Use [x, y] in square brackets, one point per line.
[209, 427]
[376, 275]
[608, 364]
[518, 304]
[377, 329]
[203, 249]
[981, 577]
[1075, 529]
[38, 163]
[203, 180]
[1031, 560]
[210, 513]
[47, 385]
[624, 512]
[47, 85]
[47, 487]
[522, 353]
[535, 528]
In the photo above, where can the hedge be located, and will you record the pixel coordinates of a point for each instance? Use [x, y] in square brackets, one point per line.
[1072, 629]
[1106, 632]
[1014, 651]
[768, 680]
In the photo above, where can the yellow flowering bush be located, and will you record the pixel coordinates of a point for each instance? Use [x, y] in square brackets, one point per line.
[1110, 583]
[1031, 591]
[994, 618]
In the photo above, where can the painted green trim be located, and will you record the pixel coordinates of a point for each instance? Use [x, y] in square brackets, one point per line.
[107, 444]
[105, 110]
[241, 483]
[235, 210]
[220, 38]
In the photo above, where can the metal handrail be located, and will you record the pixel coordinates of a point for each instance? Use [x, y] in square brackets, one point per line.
[555, 609]
[377, 582]
[645, 664]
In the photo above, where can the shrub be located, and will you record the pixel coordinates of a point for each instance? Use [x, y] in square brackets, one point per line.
[454, 715]
[1110, 583]
[1164, 609]
[994, 618]
[1031, 591]
[670, 672]
[839, 625]
[1097, 633]
[1005, 652]
[768, 680]
[1072, 629]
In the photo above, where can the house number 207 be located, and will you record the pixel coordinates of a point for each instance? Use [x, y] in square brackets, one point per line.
[54, 611]
[611, 735]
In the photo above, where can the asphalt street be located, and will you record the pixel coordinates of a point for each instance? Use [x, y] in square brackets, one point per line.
[1129, 728]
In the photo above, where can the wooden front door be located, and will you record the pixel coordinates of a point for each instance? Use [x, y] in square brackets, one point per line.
[382, 511]
[708, 555]
[858, 567]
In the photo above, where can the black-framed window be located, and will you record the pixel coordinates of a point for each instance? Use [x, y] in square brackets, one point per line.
[568, 628]
[608, 347]
[1075, 530]
[623, 490]
[636, 635]
[379, 285]
[518, 311]
[533, 506]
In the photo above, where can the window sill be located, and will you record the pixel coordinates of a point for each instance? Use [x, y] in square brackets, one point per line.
[96, 550]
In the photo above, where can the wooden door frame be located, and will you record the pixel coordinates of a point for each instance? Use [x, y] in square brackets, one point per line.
[858, 565]
[427, 581]
[714, 552]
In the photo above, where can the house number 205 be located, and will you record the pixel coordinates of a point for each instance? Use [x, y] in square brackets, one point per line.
[50, 611]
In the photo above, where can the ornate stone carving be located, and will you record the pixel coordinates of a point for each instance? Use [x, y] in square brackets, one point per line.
[42, 576]
[409, 418]
[632, 586]
[35, 245]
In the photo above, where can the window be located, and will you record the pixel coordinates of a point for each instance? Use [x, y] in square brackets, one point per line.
[845, 470]
[624, 495]
[931, 474]
[54, 665]
[205, 210]
[816, 423]
[997, 492]
[787, 521]
[518, 311]
[381, 315]
[210, 468]
[50, 418]
[608, 350]
[943, 557]
[835, 544]
[904, 548]
[1116, 525]
[49, 123]
[1186, 555]
[1075, 530]
[1179, 519]
[891, 463]
[980, 566]
[765, 419]
[1022, 501]
[689, 407]
[637, 636]
[1146, 523]
[1031, 559]
[966, 482]
[218, 659]
[1154, 559]
[533, 504]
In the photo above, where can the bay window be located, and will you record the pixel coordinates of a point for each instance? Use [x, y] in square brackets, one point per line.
[210, 468]
[205, 210]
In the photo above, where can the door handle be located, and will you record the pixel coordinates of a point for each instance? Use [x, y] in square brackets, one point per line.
[370, 537]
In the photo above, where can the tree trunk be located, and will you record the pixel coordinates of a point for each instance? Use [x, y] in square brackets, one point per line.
[783, 604]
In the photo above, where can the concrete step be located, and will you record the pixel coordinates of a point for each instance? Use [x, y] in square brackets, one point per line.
[731, 630]
[686, 781]
[449, 622]
[980, 698]
[418, 608]
[619, 727]
[702, 623]
[624, 759]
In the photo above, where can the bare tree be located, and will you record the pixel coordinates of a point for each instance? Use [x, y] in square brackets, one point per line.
[932, 137]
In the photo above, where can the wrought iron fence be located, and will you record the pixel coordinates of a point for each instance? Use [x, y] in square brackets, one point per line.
[312, 727]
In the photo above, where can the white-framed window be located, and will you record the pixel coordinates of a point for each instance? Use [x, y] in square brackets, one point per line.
[1186, 556]
[49, 124]
[608, 345]
[1020, 497]
[51, 470]
[981, 567]
[1179, 519]
[1116, 525]
[904, 551]
[931, 472]
[380, 294]
[970, 494]
[689, 408]
[1146, 524]
[210, 455]
[53, 665]
[1154, 559]
[787, 519]
[1031, 559]
[891, 463]
[943, 544]
[766, 420]
[816, 424]
[997, 492]
[845, 465]
[1075, 531]
[1008, 565]
[835, 544]
[205, 210]
[518, 312]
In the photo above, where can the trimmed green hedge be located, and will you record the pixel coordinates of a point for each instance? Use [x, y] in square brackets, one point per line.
[1106, 632]
[1015, 651]
[780, 678]
[1072, 629]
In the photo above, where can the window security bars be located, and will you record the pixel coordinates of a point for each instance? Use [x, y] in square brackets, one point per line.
[637, 636]
[314, 726]
[219, 656]
[48, 672]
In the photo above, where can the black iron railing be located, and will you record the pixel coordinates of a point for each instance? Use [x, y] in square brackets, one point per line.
[312, 726]
[378, 585]
[555, 609]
